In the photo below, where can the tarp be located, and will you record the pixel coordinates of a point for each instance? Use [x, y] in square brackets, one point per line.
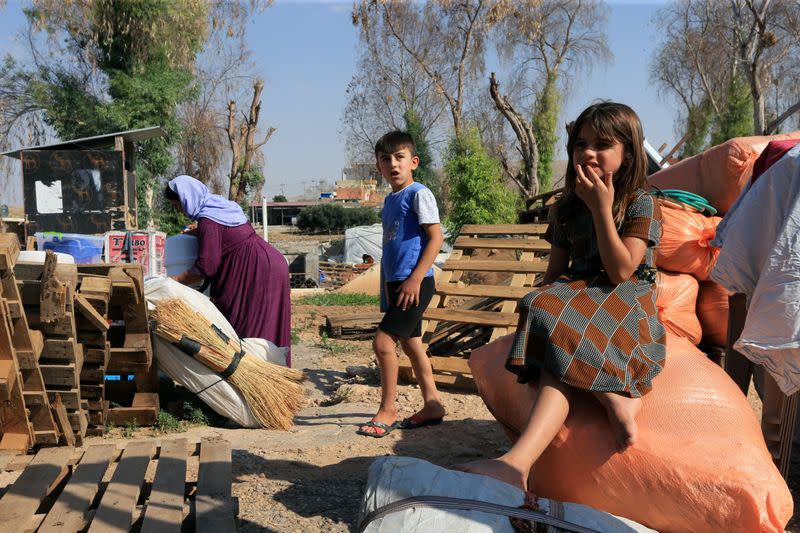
[369, 240]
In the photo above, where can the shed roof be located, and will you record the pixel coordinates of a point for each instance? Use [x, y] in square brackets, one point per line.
[97, 142]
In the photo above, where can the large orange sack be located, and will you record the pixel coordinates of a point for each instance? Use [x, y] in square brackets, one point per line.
[700, 465]
[676, 301]
[720, 173]
[712, 311]
[685, 244]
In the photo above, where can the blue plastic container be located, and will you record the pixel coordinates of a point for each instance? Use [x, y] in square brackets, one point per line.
[86, 249]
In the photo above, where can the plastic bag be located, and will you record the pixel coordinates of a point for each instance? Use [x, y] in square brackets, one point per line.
[676, 300]
[209, 386]
[712, 311]
[685, 245]
[720, 173]
[700, 465]
[396, 478]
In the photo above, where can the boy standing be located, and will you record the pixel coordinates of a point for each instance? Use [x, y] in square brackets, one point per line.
[412, 237]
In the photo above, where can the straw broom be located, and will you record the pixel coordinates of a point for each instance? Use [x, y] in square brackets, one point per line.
[274, 393]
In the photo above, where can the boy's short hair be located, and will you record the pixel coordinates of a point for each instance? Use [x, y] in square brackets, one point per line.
[394, 141]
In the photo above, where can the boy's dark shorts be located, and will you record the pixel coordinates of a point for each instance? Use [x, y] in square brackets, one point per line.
[406, 324]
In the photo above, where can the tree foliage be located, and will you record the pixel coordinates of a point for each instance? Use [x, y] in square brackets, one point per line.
[425, 173]
[551, 42]
[332, 218]
[726, 60]
[279, 198]
[478, 194]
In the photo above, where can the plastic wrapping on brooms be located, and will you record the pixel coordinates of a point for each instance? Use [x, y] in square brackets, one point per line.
[448, 500]
[274, 393]
[193, 375]
[700, 465]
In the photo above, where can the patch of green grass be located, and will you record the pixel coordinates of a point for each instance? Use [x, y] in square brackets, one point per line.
[129, 429]
[326, 344]
[194, 414]
[166, 423]
[110, 426]
[335, 298]
[296, 335]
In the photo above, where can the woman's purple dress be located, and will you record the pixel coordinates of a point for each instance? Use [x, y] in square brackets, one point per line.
[249, 281]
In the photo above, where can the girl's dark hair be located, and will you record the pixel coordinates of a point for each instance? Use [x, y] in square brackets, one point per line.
[169, 194]
[612, 122]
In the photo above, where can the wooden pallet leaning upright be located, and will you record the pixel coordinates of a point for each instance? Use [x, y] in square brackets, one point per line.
[492, 317]
[25, 348]
[47, 291]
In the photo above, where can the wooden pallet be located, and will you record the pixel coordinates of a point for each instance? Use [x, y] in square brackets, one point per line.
[22, 348]
[143, 487]
[451, 331]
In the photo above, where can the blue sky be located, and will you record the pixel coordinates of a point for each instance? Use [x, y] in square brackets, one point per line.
[306, 53]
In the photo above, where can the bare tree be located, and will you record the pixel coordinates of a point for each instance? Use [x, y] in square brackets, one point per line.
[244, 147]
[445, 38]
[387, 84]
[751, 40]
[526, 177]
[552, 42]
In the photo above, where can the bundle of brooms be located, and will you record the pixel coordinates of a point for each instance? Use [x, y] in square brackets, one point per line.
[274, 393]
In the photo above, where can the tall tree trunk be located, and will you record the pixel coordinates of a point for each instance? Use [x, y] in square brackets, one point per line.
[525, 178]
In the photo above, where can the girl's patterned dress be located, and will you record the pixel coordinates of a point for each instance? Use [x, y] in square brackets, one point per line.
[588, 332]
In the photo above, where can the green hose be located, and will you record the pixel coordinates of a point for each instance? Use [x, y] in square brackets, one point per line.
[688, 198]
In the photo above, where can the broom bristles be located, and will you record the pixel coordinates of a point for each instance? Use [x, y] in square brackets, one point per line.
[274, 393]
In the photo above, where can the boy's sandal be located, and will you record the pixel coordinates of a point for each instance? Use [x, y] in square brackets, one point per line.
[416, 421]
[387, 428]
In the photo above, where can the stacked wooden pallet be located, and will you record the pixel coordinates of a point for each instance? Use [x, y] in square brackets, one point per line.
[337, 274]
[150, 488]
[464, 315]
[26, 416]
[48, 292]
[124, 350]
[91, 300]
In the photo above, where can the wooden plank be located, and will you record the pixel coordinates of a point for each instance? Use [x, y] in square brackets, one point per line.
[115, 512]
[60, 416]
[537, 266]
[63, 327]
[69, 512]
[37, 343]
[142, 416]
[164, 511]
[38, 479]
[503, 229]
[61, 375]
[530, 245]
[70, 398]
[9, 250]
[53, 298]
[480, 318]
[65, 272]
[88, 311]
[8, 376]
[97, 356]
[485, 291]
[213, 505]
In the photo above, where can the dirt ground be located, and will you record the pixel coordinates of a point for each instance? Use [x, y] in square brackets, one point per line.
[312, 477]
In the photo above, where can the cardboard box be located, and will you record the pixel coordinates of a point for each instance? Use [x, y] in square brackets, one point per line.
[148, 248]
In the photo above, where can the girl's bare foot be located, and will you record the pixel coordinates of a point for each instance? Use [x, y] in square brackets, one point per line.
[622, 411]
[499, 468]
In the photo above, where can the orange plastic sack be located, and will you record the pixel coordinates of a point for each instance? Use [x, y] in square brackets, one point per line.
[676, 300]
[720, 173]
[701, 464]
[685, 242]
[712, 311]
